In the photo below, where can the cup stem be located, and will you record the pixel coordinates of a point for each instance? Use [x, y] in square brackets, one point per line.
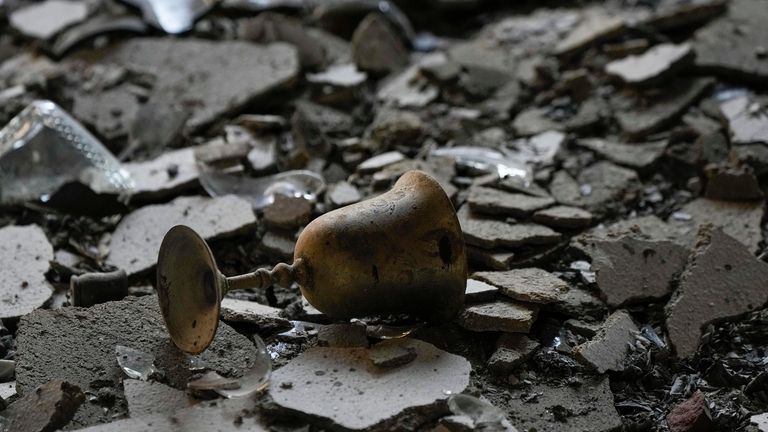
[282, 274]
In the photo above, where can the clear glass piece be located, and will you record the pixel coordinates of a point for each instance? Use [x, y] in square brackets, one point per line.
[487, 160]
[255, 380]
[136, 364]
[43, 148]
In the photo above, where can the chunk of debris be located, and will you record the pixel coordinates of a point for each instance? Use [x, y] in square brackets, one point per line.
[501, 315]
[279, 244]
[599, 188]
[722, 280]
[45, 19]
[479, 291]
[579, 303]
[7, 370]
[498, 202]
[342, 335]
[270, 27]
[608, 350]
[48, 407]
[491, 233]
[288, 212]
[78, 345]
[747, 120]
[342, 194]
[325, 379]
[173, 20]
[761, 421]
[730, 44]
[595, 26]
[392, 353]
[26, 255]
[674, 101]
[563, 217]
[691, 415]
[680, 14]
[740, 220]
[376, 47]
[565, 408]
[540, 120]
[531, 285]
[206, 81]
[167, 175]
[314, 126]
[342, 75]
[471, 413]
[657, 64]
[266, 318]
[392, 128]
[732, 183]
[512, 349]
[93, 288]
[147, 397]
[136, 239]
[380, 161]
[629, 270]
[637, 155]
[409, 88]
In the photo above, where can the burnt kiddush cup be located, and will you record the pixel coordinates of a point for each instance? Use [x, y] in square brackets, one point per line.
[401, 252]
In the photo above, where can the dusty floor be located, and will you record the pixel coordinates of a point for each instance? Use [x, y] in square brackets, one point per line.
[606, 161]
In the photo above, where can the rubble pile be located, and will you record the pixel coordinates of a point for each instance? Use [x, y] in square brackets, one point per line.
[606, 162]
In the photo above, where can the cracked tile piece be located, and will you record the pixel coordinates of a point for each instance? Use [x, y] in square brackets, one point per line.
[654, 65]
[136, 240]
[563, 217]
[344, 387]
[48, 407]
[740, 220]
[498, 202]
[265, 318]
[599, 188]
[149, 397]
[26, 254]
[165, 176]
[722, 280]
[629, 270]
[45, 19]
[512, 349]
[502, 315]
[637, 155]
[531, 285]
[608, 350]
[747, 120]
[492, 233]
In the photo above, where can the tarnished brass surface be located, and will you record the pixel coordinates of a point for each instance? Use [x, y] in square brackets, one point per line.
[189, 289]
[400, 252]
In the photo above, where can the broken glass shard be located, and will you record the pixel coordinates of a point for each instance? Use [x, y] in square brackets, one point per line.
[136, 364]
[255, 380]
[172, 16]
[301, 331]
[484, 415]
[486, 160]
[382, 331]
[261, 191]
[43, 148]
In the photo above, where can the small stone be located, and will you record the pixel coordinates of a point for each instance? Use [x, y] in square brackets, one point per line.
[732, 183]
[266, 318]
[168, 175]
[609, 186]
[353, 395]
[502, 315]
[392, 353]
[45, 19]
[512, 349]
[492, 233]
[7, 370]
[136, 240]
[722, 280]
[691, 415]
[740, 220]
[761, 421]
[538, 120]
[342, 194]
[663, 111]
[726, 46]
[479, 291]
[629, 270]
[342, 336]
[48, 407]
[746, 126]
[654, 65]
[637, 155]
[279, 244]
[147, 398]
[409, 88]
[595, 26]
[393, 128]
[495, 201]
[531, 285]
[608, 350]
[26, 254]
[288, 212]
[376, 47]
[315, 125]
[380, 161]
[563, 217]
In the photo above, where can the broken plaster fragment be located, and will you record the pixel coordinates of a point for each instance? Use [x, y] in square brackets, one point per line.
[609, 348]
[531, 285]
[49, 407]
[392, 353]
[26, 254]
[502, 315]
